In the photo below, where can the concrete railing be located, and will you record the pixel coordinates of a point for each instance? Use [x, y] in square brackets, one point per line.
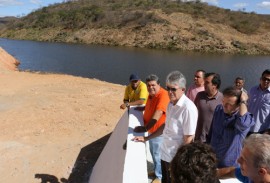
[117, 165]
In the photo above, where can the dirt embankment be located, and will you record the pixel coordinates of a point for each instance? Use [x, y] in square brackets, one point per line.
[176, 31]
[53, 127]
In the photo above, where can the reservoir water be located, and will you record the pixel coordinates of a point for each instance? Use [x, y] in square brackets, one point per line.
[115, 64]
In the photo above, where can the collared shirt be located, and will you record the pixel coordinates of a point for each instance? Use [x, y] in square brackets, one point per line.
[158, 102]
[259, 106]
[181, 120]
[193, 90]
[140, 93]
[206, 107]
[241, 177]
[227, 134]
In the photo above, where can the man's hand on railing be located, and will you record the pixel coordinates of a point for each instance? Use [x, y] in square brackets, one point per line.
[139, 139]
[139, 129]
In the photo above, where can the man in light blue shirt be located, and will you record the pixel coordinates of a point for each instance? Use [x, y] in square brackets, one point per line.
[259, 103]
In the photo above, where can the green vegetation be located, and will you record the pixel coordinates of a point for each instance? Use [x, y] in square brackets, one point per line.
[79, 14]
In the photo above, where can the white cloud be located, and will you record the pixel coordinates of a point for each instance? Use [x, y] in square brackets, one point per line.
[211, 1]
[240, 5]
[38, 2]
[10, 2]
[264, 4]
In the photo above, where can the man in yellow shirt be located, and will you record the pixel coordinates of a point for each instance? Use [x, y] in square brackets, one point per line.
[135, 93]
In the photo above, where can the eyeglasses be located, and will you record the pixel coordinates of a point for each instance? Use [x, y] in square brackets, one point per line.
[171, 89]
[265, 79]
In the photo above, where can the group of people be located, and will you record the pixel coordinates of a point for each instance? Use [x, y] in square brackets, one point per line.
[201, 127]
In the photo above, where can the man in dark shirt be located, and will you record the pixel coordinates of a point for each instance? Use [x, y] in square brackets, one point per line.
[206, 102]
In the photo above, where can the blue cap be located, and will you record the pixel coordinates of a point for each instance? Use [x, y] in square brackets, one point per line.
[134, 77]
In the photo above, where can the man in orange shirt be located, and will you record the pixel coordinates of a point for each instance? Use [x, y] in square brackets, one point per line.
[154, 117]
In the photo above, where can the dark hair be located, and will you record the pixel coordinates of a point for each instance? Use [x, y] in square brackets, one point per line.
[233, 92]
[216, 78]
[240, 78]
[203, 72]
[267, 71]
[152, 77]
[194, 163]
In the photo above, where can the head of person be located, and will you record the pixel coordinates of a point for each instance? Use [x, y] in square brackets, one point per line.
[194, 163]
[265, 79]
[231, 99]
[134, 81]
[255, 158]
[176, 85]
[153, 84]
[239, 83]
[199, 78]
[212, 83]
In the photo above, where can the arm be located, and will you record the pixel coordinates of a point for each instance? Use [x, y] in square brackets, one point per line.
[127, 104]
[225, 173]
[153, 135]
[156, 116]
[243, 104]
[188, 139]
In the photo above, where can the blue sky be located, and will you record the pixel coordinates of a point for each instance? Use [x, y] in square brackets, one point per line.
[23, 7]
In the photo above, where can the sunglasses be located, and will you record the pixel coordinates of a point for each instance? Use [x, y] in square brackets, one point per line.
[171, 89]
[265, 79]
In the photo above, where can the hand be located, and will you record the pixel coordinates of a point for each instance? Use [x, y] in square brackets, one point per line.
[123, 106]
[140, 129]
[244, 96]
[139, 108]
[139, 139]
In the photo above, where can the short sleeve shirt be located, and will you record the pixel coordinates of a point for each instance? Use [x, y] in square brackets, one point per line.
[158, 102]
[181, 120]
[140, 93]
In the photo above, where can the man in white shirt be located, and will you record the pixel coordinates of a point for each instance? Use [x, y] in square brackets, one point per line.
[180, 124]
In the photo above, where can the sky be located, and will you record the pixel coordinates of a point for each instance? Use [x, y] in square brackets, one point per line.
[21, 8]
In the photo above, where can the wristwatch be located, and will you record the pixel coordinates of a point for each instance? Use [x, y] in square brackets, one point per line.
[127, 104]
[243, 102]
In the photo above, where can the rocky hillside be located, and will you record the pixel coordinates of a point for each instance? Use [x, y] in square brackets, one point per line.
[162, 24]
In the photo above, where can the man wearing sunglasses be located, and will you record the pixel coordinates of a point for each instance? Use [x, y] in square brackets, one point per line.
[180, 124]
[259, 103]
[135, 93]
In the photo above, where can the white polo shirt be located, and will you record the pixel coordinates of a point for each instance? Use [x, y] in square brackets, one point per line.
[181, 120]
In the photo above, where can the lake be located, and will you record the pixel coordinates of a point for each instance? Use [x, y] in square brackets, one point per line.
[115, 64]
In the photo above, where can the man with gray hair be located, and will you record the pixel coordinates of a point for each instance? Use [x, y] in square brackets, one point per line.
[180, 124]
[254, 161]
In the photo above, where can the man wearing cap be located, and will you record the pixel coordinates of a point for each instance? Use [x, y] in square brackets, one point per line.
[135, 93]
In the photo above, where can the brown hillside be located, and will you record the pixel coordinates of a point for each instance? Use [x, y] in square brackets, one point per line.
[162, 25]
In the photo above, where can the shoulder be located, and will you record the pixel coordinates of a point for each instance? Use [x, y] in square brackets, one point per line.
[189, 105]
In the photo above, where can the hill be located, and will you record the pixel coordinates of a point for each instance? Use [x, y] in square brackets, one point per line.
[5, 20]
[161, 24]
